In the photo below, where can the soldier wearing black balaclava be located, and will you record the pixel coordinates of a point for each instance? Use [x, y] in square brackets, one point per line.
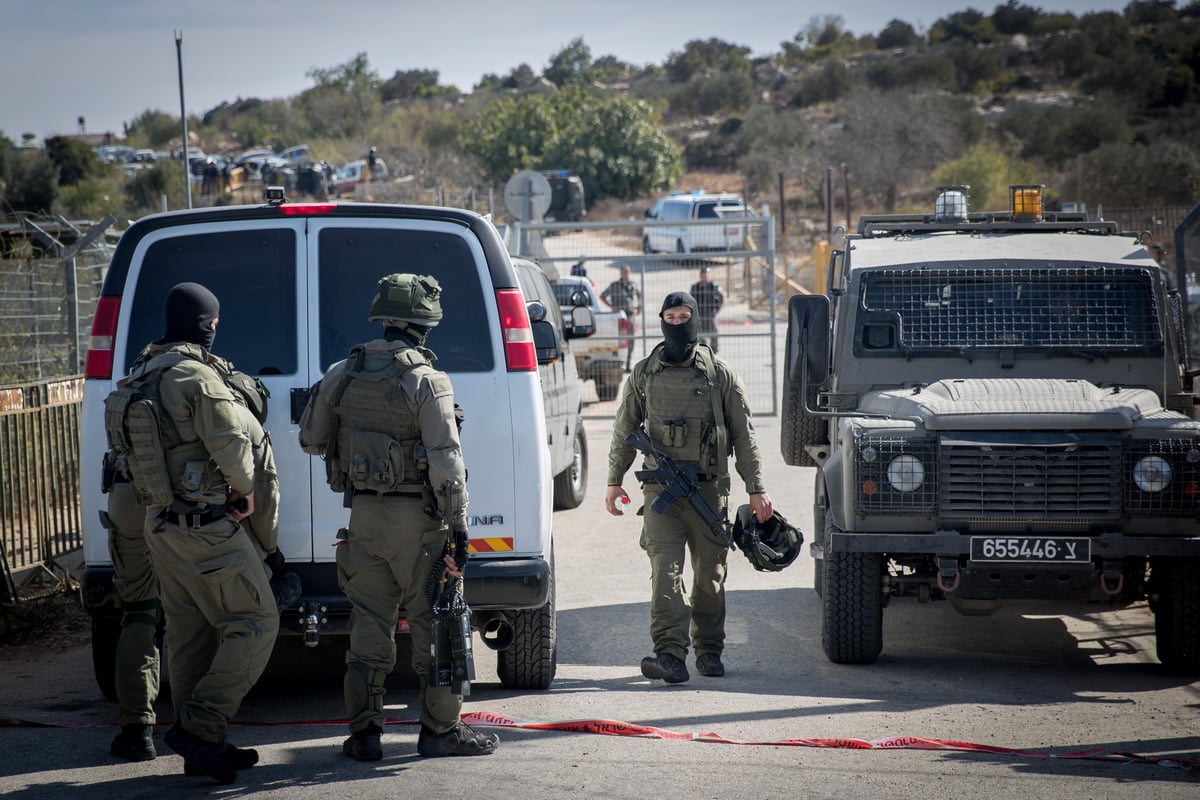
[221, 618]
[693, 406]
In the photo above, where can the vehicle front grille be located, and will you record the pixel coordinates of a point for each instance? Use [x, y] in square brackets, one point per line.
[1038, 484]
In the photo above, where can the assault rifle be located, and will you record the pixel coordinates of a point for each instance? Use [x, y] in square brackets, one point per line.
[454, 660]
[677, 482]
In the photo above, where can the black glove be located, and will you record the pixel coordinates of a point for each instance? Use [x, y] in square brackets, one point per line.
[274, 562]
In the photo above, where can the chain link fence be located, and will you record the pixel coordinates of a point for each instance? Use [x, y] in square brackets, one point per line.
[755, 292]
[46, 307]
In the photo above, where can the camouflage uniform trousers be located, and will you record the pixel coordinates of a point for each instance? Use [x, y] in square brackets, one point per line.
[137, 665]
[678, 619]
[221, 619]
[383, 563]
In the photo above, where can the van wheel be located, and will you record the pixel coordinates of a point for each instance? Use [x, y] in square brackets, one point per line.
[798, 428]
[106, 630]
[1176, 597]
[532, 659]
[852, 607]
[646, 248]
[679, 248]
[570, 485]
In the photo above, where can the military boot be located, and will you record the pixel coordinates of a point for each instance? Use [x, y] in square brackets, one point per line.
[461, 740]
[134, 743]
[238, 758]
[364, 745]
[666, 667]
[204, 756]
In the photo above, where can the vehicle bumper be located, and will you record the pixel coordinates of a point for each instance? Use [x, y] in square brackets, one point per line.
[953, 543]
[491, 584]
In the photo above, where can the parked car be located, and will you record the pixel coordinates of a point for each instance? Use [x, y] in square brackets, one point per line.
[602, 357]
[351, 175]
[560, 383]
[294, 282]
[683, 235]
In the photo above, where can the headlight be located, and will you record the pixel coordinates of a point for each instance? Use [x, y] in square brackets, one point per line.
[1152, 474]
[906, 473]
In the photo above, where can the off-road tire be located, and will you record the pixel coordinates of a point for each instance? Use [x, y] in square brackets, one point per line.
[1176, 585]
[852, 607]
[570, 485]
[532, 659]
[798, 428]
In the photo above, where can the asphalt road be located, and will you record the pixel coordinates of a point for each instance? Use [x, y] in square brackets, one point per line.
[1029, 678]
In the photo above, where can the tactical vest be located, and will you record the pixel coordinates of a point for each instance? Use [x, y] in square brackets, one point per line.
[144, 442]
[684, 413]
[378, 442]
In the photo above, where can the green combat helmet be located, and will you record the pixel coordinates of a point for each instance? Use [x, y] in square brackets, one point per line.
[408, 298]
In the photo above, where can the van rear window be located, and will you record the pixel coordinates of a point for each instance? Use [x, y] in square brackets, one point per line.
[252, 273]
[354, 259]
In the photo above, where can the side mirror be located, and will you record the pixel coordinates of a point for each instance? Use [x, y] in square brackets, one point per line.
[582, 323]
[807, 350]
[536, 310]
[545, 339]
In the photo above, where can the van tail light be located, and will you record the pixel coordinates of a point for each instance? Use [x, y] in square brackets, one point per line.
[99, 360]
[516, 330]
[625, 328]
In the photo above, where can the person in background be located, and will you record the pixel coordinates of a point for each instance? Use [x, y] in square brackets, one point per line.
[624, 295]
[709, 300]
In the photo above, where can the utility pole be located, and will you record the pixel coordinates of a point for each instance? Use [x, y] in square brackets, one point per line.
[187, 151]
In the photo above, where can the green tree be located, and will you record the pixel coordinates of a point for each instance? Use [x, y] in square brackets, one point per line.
[1120, 174]
[822, 37]
[344, 101]
[1013, 18]
[707, 56]
[74, 159]
[571, 66]
[770, 142]
[407, 84]
[831, 82]
[146, 188]
[614, 144]
[989, 170]
[32, 185]
[722, 93]
[970, 25]
[897, 34]
[154, 129]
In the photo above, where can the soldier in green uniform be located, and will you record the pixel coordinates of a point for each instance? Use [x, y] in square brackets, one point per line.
[136, 673]
[196, 475]
[384, 421]
[694, 408]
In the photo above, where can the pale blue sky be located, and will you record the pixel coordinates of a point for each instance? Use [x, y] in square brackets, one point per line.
[110, 61]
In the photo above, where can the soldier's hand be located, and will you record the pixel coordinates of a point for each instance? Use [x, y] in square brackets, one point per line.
[615, 500]
[240, 505]
[451, 566]
[761, 506]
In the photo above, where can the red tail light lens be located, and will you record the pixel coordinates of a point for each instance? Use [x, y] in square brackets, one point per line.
[514, 327]
[306, 209]
[99, 360]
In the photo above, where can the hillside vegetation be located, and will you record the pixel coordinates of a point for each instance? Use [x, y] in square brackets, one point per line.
[1101, 107]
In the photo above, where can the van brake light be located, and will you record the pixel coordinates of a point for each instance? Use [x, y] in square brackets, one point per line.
[516, 331]
[99, 360]
[306, 209]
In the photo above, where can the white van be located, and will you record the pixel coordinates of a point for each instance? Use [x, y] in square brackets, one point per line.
[295, 282]
[679, 231]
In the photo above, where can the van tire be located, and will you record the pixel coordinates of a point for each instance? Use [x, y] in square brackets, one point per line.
[646, 248]
[106, 630]
[570, 485]
[852, 607]
[1176, 595]
[798, 429]
[531, 661]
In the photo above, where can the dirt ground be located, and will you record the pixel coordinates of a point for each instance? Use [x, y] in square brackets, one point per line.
[50, 623]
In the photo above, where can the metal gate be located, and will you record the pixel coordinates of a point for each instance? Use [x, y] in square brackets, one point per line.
[747, 324]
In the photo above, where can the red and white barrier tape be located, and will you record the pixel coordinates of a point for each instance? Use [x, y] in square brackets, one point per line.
[612, 727]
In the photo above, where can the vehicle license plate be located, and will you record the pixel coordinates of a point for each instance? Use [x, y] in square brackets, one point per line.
[1030, 549]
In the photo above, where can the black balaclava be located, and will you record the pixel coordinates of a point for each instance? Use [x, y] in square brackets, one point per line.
[411, 332]
[680, 339]
[189, 312]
